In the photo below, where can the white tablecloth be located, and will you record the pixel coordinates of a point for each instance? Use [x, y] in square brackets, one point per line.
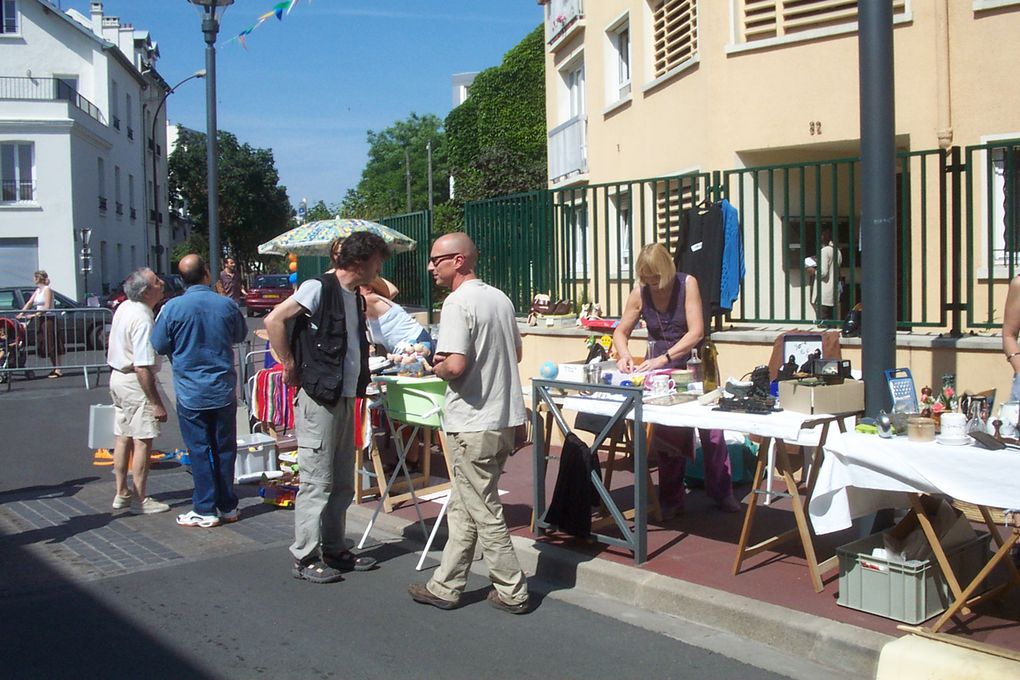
[787, 425]
[864, 473]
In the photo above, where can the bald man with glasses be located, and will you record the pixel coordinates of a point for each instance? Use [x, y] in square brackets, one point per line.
[477, 354]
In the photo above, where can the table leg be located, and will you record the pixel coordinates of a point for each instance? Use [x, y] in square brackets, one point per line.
[801, 518]
[936, 547]
[745, 530]
[963, 599]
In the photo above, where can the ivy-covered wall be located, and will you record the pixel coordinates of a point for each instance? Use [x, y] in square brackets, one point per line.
[497, 138]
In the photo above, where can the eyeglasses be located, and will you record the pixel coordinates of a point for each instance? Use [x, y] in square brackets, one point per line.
[435, 260]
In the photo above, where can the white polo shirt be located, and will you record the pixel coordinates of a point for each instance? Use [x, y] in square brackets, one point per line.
[129, 337]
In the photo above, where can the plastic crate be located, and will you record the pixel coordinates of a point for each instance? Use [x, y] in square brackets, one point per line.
[910, 592]
[417, 401]
[256, 453]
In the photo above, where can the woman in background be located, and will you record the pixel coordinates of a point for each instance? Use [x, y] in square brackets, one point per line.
[48, 343]
[670, 303]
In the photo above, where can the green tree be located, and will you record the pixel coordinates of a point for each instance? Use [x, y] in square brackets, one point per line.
[319, 211]
[253, 206]
[497, 137]
[382, 189]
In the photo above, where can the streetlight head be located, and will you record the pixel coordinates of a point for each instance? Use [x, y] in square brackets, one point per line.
[212, 3]
[200, 73]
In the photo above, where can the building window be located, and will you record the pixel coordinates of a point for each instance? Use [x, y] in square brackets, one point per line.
[118, 202]
[1004, 211]
[131, 196]
[575, 232]
[9, 16]
[621, 236]
[674, 34]
[128, 116]
[771, 19]
[618, 62]
[115, 104]
[101, 175]
[17, 172]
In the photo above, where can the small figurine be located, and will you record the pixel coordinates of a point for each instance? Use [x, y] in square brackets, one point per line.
[411, 360]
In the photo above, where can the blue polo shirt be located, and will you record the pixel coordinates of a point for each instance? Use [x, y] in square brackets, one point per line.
[198, 331]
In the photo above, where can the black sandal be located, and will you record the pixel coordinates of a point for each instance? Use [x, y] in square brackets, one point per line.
[348, 561]
[316, 572]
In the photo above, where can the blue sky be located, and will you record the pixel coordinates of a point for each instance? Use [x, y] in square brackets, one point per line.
[311, 86]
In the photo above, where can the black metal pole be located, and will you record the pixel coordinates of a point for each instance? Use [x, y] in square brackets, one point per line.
[210, 27]
[878, 199]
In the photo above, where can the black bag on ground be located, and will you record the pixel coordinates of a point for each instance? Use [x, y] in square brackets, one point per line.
[574, 495]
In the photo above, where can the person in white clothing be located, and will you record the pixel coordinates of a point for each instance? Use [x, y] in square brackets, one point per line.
[138, 409]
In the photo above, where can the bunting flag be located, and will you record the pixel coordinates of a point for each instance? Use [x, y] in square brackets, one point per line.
[279, 9]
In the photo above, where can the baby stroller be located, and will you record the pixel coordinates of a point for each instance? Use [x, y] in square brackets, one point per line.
[13, 348]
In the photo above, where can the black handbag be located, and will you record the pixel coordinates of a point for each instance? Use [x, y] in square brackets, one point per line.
[852, 324]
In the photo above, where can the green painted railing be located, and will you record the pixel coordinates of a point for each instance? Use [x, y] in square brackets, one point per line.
[409, 271]
[956, 225]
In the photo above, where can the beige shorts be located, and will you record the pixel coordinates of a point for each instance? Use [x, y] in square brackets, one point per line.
[133, 416]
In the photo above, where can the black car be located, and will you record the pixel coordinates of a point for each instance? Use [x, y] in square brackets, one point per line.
[87, 328]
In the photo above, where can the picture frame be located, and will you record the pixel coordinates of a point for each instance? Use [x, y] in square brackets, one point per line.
[802, 347]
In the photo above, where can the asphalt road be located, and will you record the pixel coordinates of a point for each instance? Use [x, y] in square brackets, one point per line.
[221, 603]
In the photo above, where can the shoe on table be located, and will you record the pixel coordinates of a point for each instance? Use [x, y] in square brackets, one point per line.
[193, 519]
[121, 502]
[229, 517]
[148, 506]
[419, 592]
[316, 571]
[348, 561]
[495, 600]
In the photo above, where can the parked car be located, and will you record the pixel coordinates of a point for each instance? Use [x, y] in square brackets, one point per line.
[172, 287]
[75, 328]
[266, 292]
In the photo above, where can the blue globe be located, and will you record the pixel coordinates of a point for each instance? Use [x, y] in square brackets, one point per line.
[549, 370]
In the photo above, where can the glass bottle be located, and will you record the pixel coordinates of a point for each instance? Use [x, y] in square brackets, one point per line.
[974, 421]
[694, 366]
[710, 365]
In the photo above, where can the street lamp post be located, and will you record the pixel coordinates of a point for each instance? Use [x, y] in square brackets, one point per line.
[210, 27]
[86, 260]
[155, 181]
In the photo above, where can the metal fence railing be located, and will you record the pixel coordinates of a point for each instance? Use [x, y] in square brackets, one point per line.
[957, 236]
[47, 89]
[409, 271]
[33, 344]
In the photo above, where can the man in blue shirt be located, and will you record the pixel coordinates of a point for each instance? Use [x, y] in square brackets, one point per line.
[198, 331]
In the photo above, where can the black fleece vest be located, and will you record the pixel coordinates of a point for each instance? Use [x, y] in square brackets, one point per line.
[319, 343]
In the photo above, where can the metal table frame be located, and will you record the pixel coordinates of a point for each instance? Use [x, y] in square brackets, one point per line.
[634, 538]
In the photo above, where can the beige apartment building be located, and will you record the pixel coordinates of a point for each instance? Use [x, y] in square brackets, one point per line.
[758, 101]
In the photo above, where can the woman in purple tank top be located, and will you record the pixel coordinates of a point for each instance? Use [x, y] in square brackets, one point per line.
[670, 303]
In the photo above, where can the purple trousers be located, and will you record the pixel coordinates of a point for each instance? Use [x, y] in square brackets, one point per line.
[673, 463]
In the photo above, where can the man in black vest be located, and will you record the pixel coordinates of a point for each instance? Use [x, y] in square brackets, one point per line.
[326, 356]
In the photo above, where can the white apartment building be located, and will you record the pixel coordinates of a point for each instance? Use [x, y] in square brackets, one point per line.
[77, 150]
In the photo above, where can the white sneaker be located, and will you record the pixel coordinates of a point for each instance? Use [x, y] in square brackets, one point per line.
[193, 519]
[121, 502]
[149, 506]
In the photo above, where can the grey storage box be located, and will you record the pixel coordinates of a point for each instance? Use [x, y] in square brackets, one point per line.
[256, 453]
[911, 591]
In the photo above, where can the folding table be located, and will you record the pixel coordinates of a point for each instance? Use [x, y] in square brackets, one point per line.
[625, 403]
[412, 405]
[864, 473]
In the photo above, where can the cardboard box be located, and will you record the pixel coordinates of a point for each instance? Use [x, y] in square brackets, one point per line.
[844, 398]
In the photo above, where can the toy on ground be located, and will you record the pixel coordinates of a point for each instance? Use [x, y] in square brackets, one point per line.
[279, 492]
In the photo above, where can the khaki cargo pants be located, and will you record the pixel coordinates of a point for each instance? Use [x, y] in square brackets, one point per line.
[475, 515]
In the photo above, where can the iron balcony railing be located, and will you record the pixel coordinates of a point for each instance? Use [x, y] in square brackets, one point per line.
[102, 203]
[568, 148]
[46, 89]
[17, 191]
[562, 15]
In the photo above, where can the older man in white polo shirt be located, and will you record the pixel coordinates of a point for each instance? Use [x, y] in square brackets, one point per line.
[137, 406]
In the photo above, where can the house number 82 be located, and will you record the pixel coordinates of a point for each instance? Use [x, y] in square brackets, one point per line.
[815, 127]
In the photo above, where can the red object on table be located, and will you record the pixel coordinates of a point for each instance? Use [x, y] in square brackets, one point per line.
[602, 324]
